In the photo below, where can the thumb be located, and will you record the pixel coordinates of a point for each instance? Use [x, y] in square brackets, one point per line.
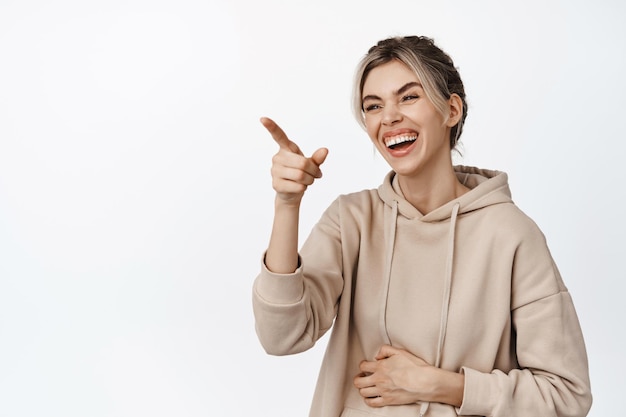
[319, 156]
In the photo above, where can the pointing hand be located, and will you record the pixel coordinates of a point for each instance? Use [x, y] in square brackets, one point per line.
[292, 172]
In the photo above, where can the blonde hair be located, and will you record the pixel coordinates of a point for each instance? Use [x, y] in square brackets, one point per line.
[434, 68]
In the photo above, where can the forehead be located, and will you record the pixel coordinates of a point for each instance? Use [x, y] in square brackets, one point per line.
[388, 77]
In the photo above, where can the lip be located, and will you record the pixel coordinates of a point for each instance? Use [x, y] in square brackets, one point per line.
[398, 153]
[397, 132]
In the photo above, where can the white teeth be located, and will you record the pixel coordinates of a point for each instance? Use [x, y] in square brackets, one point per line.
[399, 139]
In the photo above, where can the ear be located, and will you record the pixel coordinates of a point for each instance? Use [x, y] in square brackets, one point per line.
[455, 107]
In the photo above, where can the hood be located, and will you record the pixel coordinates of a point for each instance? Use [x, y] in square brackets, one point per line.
[487, 187]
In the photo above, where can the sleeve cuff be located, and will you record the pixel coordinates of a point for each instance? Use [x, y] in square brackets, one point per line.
[478, 393]
[280, 288]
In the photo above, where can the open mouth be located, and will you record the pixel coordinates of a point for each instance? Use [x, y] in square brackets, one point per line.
[401, 141]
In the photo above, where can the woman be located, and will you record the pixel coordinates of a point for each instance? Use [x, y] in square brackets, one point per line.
[442, 295]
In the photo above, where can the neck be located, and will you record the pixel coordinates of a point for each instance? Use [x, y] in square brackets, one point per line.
[429, 191]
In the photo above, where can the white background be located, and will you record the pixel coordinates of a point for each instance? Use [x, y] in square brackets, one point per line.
[135, 196]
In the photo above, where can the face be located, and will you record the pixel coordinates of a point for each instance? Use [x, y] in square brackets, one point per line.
[406, 128]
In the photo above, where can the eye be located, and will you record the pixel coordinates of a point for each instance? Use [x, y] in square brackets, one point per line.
[372, 107]
[410, 97]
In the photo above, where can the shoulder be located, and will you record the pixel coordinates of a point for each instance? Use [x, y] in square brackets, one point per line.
[534, 272]
[511, 220]
[353, 209]
[359, 198]
[354, 201]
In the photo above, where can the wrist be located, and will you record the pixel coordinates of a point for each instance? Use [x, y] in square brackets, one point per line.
[287, 203]
[449, 387]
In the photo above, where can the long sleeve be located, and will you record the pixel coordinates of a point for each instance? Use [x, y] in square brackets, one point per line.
[553, 377]
[293, 311]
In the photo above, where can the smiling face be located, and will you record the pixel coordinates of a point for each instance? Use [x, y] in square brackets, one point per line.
[406, 128]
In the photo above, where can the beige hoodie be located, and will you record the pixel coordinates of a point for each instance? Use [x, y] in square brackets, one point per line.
[470, 287]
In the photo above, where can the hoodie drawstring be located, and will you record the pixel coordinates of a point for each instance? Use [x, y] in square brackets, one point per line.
[448, 284]
[443, 324]
[391, 241]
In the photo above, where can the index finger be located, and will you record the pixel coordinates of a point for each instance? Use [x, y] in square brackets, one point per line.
[385, 352]
[367, 367]
[279, 135]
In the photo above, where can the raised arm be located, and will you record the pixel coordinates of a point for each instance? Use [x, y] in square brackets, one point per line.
[292, 173]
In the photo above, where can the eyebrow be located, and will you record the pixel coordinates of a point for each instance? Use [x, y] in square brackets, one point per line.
[400, 91]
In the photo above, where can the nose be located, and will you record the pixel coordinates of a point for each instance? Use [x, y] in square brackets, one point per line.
[391, 114]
